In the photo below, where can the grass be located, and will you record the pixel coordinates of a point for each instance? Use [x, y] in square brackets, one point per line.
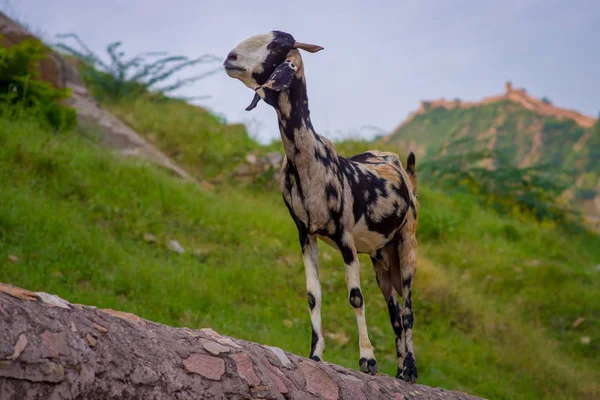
[190, 135]
[495, 296]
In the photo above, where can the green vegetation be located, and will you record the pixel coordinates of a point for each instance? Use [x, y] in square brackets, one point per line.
[518, 142]
[495, 297]
[131, 77]
[21, 86]
[190, 135]
[506, 301]
[533, 191]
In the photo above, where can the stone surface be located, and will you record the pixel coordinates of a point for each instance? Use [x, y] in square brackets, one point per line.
[148, 237]
[175, 246]
[245, 368]
[251, 158]
[54, 344]
[62, 353]
[53, 300]
[19, 347]
[208, 366]
[99, 328]
[318, 382]
[280, 355]
[275, 158]
[91, 340]
[214, 347]
[278, 377]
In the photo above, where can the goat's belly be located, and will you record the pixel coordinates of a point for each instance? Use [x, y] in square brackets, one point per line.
[368, 242]
[365, 241]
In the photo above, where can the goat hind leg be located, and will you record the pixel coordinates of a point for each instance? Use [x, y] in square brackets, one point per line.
[408, 266]
[386, 268]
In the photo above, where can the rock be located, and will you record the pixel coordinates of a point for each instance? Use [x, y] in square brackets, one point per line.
[251, 158]
[13, 259]
[91, 340]
[242, 170]
[99, 328]
[214, 347]
[175, 246]
[19, 347]
[208, 366]
[148, 237]
[274, 158]
[54, 344]
[53, 300]
[163, 362]
[245, 368]
[285, 361]
[585, 340]
[339, 337]
[274, 373]
[318, 382]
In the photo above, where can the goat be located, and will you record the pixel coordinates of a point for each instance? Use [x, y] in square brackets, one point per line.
[364, 204]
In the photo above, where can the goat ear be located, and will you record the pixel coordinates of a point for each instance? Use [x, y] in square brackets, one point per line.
[281, 78]
[254, 102]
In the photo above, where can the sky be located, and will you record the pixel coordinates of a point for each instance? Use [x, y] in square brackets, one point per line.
[381, 58]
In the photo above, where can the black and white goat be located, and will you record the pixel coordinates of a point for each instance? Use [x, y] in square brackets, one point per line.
[366, 203]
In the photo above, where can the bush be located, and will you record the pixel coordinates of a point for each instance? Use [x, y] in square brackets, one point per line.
[126, 78]
[21, 86]
[533, 191]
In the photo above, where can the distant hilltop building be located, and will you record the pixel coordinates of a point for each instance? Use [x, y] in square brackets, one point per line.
[511, 89]
[515, 95]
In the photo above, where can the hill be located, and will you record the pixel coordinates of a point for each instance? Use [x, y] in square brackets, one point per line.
[526, 130]
[92, 226]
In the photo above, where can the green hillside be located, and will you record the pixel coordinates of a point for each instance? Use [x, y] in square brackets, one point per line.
[524, 137]
[495, 297]
[506, 305]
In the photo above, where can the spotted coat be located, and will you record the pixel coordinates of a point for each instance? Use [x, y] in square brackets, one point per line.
[366, 203]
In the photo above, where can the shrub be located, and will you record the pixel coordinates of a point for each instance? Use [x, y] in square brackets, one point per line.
[130, 77]
[21, 86]
[532, 191]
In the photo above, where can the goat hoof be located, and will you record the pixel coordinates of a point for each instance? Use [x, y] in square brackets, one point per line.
[315, 358]
[368, 366]
[409, 372]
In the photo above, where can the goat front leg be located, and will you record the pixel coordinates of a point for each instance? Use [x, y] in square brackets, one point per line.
[367, 361]
[310, 255]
